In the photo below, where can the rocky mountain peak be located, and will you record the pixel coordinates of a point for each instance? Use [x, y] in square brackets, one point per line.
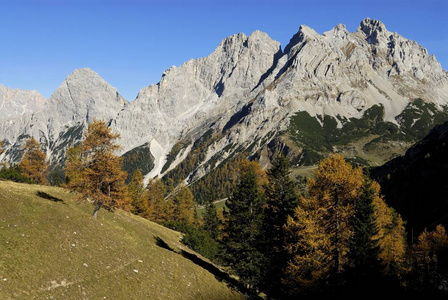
[373, 30]
[304, 34]
[84, 95]
[339, 32]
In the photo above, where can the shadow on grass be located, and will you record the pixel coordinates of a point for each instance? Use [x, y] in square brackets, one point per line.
[161, 243]
[218, 273]
[48, 197]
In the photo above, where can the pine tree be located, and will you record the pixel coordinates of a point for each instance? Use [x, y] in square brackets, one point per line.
[95, 172]
[242, 231]
[363, 256]
[33, 164]
[211, 221]
[281, 200]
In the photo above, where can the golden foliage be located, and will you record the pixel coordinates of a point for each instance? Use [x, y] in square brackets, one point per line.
[432, 243]
[319, 231]
[391, 236]
[158, 207]
[95, 171]
[321, 228]
[138, 194]
[169, 204]
[183, 205]
[33, 164]
[430, 257]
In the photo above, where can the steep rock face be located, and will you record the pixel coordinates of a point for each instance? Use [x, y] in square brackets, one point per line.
[83, 96]
[58, 122]
[342, 75]
[15, 102]
[16, 109]
[197, 93]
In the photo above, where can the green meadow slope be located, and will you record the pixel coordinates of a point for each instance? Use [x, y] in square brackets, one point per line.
[51, 248]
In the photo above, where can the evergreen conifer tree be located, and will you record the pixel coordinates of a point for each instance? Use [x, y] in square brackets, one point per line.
[211, 222]
[363, 254]
[281, 200]
[241, 238]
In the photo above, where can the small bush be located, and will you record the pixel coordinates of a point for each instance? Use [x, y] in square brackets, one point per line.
[13, 174]
[197, 239]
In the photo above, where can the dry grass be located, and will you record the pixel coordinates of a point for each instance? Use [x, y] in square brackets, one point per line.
[51, 248]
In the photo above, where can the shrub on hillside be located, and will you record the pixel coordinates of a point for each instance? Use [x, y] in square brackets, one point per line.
[13, 174]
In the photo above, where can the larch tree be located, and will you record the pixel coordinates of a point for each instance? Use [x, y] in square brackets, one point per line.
[34, 164]
[342, 226]
[310, 248]
[430, 259]
[319, 232]
[335, 187]
[281, 200]
[390, 238]
[183, 205]
[159, 208]
[95, 171]
[138, 194]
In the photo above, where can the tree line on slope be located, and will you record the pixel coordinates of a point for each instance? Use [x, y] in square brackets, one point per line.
[340, 235]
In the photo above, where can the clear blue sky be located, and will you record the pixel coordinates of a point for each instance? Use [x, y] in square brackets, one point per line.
[131, 42]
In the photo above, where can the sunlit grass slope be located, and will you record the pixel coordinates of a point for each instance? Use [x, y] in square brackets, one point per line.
[51, 248]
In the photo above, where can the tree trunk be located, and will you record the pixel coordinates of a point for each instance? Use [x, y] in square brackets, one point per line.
[96, 209]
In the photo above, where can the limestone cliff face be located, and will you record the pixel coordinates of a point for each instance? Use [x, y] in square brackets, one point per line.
[340, 74]
[16, 108]
[84, 95]
[197, 93]
[245, 92]
[57, 122]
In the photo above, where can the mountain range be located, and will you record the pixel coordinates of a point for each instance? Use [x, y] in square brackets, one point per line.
[368, 94]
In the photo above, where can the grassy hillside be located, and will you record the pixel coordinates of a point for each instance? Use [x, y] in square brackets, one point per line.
[51, 248]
